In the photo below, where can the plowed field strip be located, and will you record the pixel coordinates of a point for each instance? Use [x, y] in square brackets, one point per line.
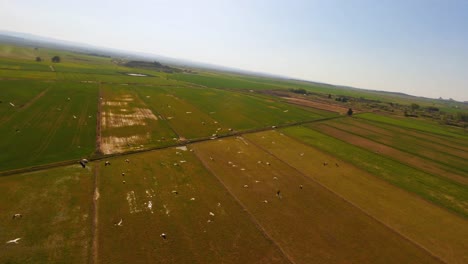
[401, 210]
[430, 142]
[252, 218]
[52, 131]
[400, 156]
[349, 202]
[131, 152]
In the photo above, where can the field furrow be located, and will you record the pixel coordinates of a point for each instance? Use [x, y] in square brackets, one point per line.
[310, 223]
[402, 211]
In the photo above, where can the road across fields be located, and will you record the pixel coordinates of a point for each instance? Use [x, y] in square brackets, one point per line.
[101, 157]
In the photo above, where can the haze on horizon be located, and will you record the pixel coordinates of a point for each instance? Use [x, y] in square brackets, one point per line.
[416, 47]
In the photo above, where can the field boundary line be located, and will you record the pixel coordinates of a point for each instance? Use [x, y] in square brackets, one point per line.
[360, 121]
[33, 100]
[98, 121]
[349, 202]
[403, 164]
[93, 258]
[182, 143]
[252, 218]
[163, 118]
[439, 165]
[456, 137]
[25, 106]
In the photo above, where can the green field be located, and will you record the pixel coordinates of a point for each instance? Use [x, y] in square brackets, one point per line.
[51, 122]
[403, 212]
[55, 226]
[203, 223]
[225, 165]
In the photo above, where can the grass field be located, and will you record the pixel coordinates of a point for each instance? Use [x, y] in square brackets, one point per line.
[321, 188]
[328, 229]
[47, 127]
[128, 123]
[439, 190]
[399, 210]
[405, 150]
[203, 223]
[55, 226]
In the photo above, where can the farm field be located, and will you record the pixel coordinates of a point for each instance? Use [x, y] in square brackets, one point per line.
[329, 229]
[55, 222]
[405, 150]
[127, 123]
[170, 192]
[439, 190]
[52, 122]
[218, 112]
[231, 168]
[401, 211]
[451, 134]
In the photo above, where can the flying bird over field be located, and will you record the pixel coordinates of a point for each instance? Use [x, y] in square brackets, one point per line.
[14, 240]
[83, 163]
[120, 222]
[17, 216]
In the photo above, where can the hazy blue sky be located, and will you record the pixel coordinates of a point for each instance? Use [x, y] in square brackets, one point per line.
[416, 47]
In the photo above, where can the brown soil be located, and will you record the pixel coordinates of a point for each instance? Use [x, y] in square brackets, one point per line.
[138, 118]
[403, 157]
[429, 149]
[111, 144]
[315, 104]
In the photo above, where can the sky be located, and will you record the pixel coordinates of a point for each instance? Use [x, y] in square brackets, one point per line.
[419, 47]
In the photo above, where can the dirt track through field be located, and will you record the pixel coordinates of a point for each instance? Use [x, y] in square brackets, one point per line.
[24, 107]
[252, 218]
[32, 101]
[131, 152]
[98, 122]
[95, 224]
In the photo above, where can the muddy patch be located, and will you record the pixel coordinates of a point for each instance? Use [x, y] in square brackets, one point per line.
[315, 104]
[112, 144]
[139, 117]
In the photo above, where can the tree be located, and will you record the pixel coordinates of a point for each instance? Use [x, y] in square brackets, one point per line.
[414, 107]
[350, 112]
[56, 59]
[38, 59]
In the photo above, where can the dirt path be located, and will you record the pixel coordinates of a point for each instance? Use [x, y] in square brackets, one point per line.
[98, 122]
[188, 141]
[252, 218]
[23, 107]
[95, 224]
[30, 102]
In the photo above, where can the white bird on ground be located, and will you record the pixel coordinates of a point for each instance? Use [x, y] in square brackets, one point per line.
[120, 222]
[14, 240]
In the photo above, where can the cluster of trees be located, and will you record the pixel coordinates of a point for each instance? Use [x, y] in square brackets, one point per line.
[55, 59]
[299, 91]
[342, 99]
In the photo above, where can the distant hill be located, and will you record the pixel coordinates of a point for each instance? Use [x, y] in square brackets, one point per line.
[152, 66]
